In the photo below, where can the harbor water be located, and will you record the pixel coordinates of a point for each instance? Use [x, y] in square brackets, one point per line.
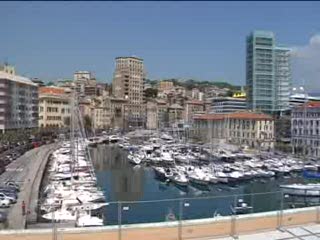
[145, 199]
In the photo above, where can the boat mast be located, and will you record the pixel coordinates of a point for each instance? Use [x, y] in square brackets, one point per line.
[72, 134]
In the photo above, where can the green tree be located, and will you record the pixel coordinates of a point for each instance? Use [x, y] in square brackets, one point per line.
[87, 123]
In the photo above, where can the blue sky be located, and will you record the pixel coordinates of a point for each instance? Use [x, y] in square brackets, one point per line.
[201, 40]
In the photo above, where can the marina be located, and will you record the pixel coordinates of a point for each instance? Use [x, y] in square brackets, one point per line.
[151, 182]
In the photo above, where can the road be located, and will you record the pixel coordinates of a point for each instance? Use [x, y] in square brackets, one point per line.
[25, 171]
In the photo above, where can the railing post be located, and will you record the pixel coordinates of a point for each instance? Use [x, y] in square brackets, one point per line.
[233, 219]
[280, 212]
[180, 219]
[54, 230]
[119, 220]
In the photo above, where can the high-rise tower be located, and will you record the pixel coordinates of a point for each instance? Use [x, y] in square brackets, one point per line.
[268, 73]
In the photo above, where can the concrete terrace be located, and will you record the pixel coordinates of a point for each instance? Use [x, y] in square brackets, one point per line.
[278, 225]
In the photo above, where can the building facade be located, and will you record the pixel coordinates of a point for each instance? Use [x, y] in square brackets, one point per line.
[54, 108]
[18, 103]
[255, 130]
[305, 129]
[84, 84]
[152, 115]
[268, 73]
[128, 83]
[227, 104]
[299, 99]
[165, 86]
[175, 115]
[193, 107]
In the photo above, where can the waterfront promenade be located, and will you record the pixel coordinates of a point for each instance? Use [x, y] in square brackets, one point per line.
[27, 170]
[287, 224]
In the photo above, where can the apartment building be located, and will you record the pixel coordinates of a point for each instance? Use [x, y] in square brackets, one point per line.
[85, 84]
[128, 83]
[193, 107]
[101, 112]
[305, 129]
[255, 130]
[165, 86]
[54, 107]
[152, 115]
[18, 103]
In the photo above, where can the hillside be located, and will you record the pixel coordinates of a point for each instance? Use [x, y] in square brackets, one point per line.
[191, 83]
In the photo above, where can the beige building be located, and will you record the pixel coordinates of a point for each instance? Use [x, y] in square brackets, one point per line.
[254, 130]
[54, 108]
[165, 86]
[85, 84]
[128, 83]
[118, 114]
[101, 113]
[175, 114]
[162, 113]
[192, 108]
[152, 115]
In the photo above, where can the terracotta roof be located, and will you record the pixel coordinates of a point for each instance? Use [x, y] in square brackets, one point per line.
[310, 104]
[236, 115]
[52, 90]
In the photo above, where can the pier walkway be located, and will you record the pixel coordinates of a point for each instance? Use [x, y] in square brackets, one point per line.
[27, 170]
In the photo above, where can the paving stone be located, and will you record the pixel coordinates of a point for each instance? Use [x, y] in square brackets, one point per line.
[297, 231]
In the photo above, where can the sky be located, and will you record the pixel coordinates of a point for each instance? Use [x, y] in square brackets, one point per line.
[199, 40]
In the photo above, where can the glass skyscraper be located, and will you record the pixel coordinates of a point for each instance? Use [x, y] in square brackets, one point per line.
[268, 74]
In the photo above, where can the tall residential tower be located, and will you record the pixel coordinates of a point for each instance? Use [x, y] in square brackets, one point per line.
[128, 83]
[268, 73]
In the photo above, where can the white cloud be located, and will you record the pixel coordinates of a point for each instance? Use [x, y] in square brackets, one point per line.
[306, 64]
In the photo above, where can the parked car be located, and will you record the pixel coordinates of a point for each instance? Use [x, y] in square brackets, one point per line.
[4, 203]
[8, 196]
[8, 189]
[13, 185]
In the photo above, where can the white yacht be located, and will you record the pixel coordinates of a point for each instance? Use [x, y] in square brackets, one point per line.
[312, 189]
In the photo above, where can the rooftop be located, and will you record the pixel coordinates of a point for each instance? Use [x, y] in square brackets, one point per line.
[310, 104]
[16, 78]
[136, 58]
[195, 102]
[235, 115]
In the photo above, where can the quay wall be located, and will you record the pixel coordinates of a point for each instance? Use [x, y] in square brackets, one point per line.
[186, 229]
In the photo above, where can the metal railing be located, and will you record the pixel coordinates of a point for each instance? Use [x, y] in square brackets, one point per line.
[194, 218]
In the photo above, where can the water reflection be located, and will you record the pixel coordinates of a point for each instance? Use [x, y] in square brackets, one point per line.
[118, 178]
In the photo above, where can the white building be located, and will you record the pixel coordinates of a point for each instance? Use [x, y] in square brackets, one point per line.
[305, 129]
[18, 103]
[254, 130]
[227, 104]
